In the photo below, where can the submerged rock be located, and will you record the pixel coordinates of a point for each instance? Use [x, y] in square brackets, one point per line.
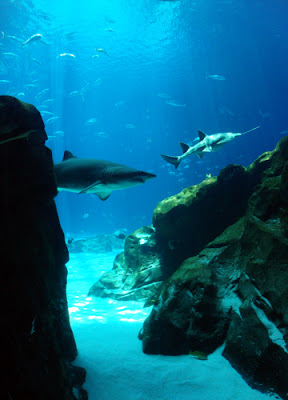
[98, 244]
[232, 285]
[137, 272]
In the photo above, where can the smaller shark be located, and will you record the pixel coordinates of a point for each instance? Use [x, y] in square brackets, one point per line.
[100, 177]
[207, 144]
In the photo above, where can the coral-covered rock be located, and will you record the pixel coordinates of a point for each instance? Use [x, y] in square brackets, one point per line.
[39, 344]
[187, 222]
[137, 272]
[193, 310]
[235, 290]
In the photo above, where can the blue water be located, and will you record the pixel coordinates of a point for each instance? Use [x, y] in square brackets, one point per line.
[148, 52]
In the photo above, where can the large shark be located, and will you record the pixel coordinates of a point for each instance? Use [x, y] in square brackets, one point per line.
[207, 144]
[100, 177]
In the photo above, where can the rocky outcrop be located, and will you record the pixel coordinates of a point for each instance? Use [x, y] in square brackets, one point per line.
[137, 272]
[38, 343]
[97, 244]
[232, 286]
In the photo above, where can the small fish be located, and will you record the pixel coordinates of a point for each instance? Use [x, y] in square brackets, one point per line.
[199, 355]
[59, 133]
[36, 61]
[130, 126]
[283, 132]
[30, 85]
[9, 54]
[85, 216]
[4, 81]
[44, 91]
[48, 101]
[164, 95]
[120, 103]
[46, 113]
[98, 82]
[52, 119]
[217, 77]
[90, 122]
[32, 39]
[174, 104]
[100, 50]
[66, 55]
[102, 134]
[120, 234]
[14, 38]
[74, 93]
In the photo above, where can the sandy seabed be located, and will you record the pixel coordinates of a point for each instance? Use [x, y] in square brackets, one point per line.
[106, 333]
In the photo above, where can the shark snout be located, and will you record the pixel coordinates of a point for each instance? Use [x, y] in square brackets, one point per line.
[144, 176]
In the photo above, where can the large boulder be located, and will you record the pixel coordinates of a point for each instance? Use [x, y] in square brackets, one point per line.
[235, 290]
[186, 222]
[38, 343]
[137, 272]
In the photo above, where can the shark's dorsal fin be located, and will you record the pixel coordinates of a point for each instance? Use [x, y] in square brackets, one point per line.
[184, 146]
[67, 155]
[201, 135]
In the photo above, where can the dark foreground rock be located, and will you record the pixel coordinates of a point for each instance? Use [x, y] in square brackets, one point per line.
[38, 344]
[234, 288]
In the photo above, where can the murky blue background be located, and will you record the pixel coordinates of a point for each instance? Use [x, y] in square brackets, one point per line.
[130, 59]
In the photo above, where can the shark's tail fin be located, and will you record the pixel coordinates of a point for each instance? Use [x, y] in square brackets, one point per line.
[172, 160]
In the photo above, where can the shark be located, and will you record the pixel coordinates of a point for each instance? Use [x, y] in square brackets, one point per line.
[100, 177]
[206, 144]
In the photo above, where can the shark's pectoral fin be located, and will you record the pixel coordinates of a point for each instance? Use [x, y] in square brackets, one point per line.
[103, 195]
[87, 188]
[200, 155]
[207, 149]
[184, 146]
[225, 140]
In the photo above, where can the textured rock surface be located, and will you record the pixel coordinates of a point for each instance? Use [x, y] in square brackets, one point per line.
[38, 342]
[137, 272]
[235, 290]
[97, 244]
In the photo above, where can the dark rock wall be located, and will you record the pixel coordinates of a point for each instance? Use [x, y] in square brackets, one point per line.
[37, 344]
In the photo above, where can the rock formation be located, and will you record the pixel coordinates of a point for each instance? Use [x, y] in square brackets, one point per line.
[136, 273]
[101, 243]
[38, 343]
[234, 289]
[217, 260]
